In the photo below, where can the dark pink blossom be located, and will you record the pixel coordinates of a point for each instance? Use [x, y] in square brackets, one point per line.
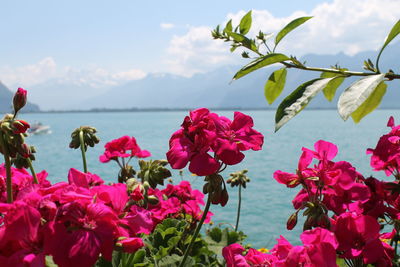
[123, 147]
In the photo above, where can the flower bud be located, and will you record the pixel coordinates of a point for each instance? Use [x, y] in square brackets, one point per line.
[20, 126]
[19, 100]
[292, 221]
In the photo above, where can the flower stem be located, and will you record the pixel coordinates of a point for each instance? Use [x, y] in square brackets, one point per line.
[239, 206]
[83, 151]
[196, 232]
[7, 163]
[35, 179]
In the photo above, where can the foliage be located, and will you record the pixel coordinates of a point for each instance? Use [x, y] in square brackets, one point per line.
[356, 101]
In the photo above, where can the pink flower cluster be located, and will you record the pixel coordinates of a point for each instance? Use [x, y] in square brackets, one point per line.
[203, 132]
[123, 147]
[318, 250]
[345, 212]
[77, 221]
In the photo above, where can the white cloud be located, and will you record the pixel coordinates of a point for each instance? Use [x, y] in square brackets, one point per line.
[47, 69]
[167, 26]
[340, 26]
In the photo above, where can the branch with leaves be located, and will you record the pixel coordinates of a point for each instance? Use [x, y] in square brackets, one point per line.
[356, 101]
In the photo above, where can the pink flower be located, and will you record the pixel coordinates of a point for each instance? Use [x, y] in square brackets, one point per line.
[82, 179]
[203, 132]
[386, 155]
[131, 244]
[123, 147]
[233, 254]
[358, 236]
[234, 137]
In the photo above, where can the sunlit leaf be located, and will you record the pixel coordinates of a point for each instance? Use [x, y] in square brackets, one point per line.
[275, 84]
[290, 27]
[228, 27]
[245, 23]
[370, 104]
[357, 93]
[259, 63]
[330, 89]
[298, 100]
[240, 38]
[392, 34]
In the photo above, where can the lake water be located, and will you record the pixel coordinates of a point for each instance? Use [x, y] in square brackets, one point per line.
[266, 204]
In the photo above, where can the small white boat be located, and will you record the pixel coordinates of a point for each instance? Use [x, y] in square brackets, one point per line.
[38, 129]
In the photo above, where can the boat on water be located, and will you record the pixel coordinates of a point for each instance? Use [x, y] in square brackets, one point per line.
[38, 128]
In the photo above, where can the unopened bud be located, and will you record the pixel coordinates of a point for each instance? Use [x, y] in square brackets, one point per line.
[153, 200]
[19, 100]
[20, 126]
[292, 221]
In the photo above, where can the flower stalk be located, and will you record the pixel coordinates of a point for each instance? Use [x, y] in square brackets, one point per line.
[239, 207]
[7, 163]
[35, 179]
[82, 145]
[196, 233]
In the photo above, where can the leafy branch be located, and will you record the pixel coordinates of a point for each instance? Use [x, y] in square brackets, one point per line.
[358, 100]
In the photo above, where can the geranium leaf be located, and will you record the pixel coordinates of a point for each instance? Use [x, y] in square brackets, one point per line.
[290, 27]
[357, 93]
[259, 63]
[370, 104]
[297, 100]
[275, 84]
[245, 23]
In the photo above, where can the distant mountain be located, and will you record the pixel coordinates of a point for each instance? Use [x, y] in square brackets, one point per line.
[6, 97]
[212, 89]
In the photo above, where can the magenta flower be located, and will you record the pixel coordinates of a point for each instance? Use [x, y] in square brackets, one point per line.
[358, 236]
[386, 155]
[233, 255]
[203, 132]
[123, 147]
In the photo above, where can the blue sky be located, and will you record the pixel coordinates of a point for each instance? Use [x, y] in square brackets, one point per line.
[122, 40]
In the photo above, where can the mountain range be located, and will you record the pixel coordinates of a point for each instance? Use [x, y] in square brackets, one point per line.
[213, 89]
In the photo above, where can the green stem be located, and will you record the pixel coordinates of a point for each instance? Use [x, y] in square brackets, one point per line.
[196, 233]
[83, 151]
[7, 162]
[35, 179]
[239, 205]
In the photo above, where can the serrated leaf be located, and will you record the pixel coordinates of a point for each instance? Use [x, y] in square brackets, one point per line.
[275, 84]
[290, 27]
[392, 34]
[357, 93]
[259, 63]
[370, 104]
[330, 89]
[298, 100]
[245, 23]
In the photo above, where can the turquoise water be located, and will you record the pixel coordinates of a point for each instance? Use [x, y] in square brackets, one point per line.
[266, 204]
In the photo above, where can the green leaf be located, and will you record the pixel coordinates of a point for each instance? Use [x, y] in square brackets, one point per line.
[274, 86]
[246, 42]
[259, 63]
[245, 23]
[330, 89]
[370, 104]
[49, 261]
[392, 34]
[357, 94]
[290, 27]
[228, 27]
[298, 100]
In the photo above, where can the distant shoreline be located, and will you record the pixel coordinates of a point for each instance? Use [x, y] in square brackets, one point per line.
[104, 110]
